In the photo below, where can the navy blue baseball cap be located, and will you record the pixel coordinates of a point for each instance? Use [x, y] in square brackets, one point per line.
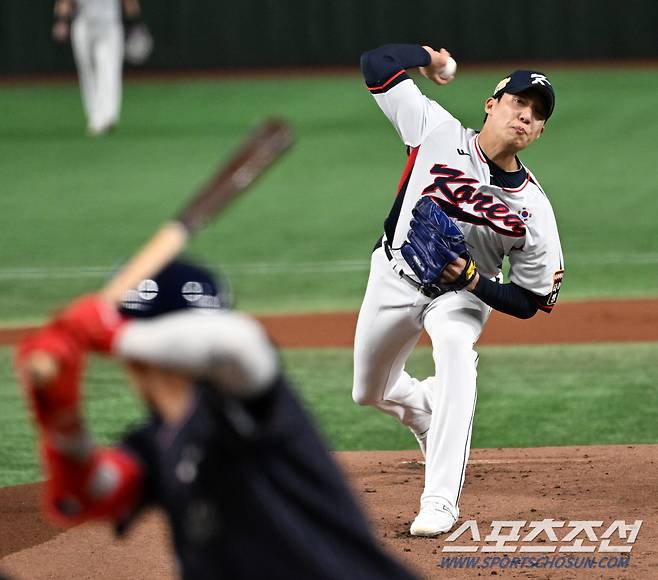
[180, 285]
[524, 80]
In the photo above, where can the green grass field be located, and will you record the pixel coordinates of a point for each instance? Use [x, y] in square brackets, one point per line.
[75, 207]
[530, 396]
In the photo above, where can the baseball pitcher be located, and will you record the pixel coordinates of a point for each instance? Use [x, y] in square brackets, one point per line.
[464, 203]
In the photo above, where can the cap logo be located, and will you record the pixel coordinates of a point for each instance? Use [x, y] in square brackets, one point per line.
[501, 85]
[198, 295]
[538, 79]
[139, 298]
[192, 291]
[147, 289]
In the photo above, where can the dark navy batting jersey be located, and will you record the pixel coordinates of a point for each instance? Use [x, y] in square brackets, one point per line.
[251, 492]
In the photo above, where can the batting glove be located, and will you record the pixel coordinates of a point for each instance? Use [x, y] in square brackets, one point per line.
[55, 406]
[92, 322]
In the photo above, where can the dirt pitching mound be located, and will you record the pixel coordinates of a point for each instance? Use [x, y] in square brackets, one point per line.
[605, 484]
[562, 483]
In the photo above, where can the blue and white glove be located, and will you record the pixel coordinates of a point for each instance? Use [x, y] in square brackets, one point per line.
[433, 242]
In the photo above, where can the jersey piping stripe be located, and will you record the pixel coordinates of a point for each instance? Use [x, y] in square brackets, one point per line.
[507, 189]
[388, 84]
[407, 168]
[516, 189]
[391, 221]
[467, 447]
[479, 151]
[534, 181]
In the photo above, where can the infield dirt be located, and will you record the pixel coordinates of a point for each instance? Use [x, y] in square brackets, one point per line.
[571, 322]
[563, 483]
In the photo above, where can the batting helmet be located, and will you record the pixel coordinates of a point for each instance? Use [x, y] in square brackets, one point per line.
[180, 285]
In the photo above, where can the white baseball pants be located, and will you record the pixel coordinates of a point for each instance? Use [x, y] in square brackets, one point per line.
[392, 317]
[98, 51]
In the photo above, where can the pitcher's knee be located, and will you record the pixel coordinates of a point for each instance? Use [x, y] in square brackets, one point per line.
[362, 396]
[366, 387]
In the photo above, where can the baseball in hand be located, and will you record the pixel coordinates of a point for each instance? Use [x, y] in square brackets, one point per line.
[449, 69]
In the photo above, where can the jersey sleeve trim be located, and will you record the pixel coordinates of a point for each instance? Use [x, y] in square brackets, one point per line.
[546, 303]
[396, 79]
[543, 307]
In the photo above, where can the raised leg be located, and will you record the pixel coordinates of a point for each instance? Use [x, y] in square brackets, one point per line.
[388, 328]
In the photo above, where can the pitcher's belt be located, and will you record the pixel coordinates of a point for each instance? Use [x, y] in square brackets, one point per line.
[429, 291]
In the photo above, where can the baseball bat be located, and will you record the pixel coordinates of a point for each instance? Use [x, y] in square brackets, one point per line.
[252, 159]
[268, 142]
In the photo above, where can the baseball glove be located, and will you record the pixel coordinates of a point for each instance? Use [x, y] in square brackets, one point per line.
[139, 43]
[433, 242]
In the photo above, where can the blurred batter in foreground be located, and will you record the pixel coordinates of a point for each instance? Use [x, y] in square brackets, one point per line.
[249, 488]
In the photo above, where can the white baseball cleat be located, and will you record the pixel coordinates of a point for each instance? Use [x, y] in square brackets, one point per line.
[432, 520]
[93, 131]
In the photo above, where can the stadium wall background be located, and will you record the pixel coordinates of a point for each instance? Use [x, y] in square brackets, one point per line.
[291, 33]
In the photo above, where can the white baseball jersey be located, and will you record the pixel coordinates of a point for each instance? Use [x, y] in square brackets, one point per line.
[446, 162]
[97, 40]
[96, 10]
